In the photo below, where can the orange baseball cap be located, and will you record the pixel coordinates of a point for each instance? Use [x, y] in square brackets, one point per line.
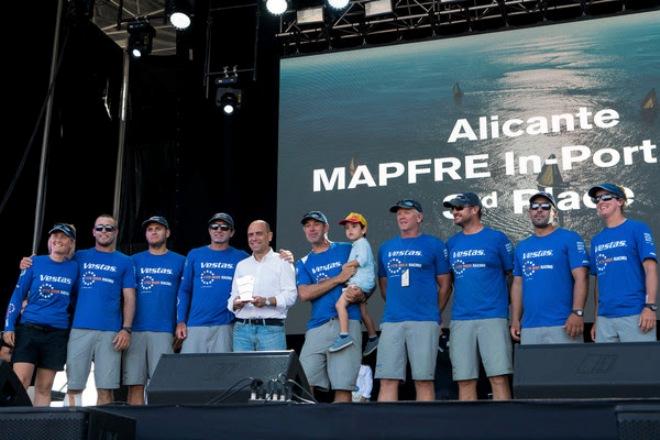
[354, 217]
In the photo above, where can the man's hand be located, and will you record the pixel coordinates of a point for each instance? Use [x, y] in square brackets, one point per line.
[181, 331]
[574, 325]
[9, 338]
[515, 330]
[347, 271]
[259, 301]
[593, 332]
[122, 340]
[647, 320]
[287, 256]
[239, 303]
[26, 263]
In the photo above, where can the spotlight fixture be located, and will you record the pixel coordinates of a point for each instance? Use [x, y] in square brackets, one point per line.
[140, 38]
[179, 13]
[227, 94]
[338, 4]
[276, 7]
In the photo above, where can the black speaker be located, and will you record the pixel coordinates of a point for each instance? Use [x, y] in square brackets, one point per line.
[587, 370]
[12, 392]
[216, 378]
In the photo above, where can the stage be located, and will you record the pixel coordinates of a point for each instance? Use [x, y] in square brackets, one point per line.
[600, 419]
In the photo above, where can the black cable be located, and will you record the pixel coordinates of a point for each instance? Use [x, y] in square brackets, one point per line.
[231, 391]
[306, 391]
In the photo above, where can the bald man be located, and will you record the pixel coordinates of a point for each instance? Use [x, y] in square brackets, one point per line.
[263, 290]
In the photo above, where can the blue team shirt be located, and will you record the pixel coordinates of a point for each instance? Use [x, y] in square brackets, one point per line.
[617, 255]
[545, 265]
[480, 262]
[158, 278]
[206, 286]
[424, 258]
[103, 275]
[49, 286]
[316, 267]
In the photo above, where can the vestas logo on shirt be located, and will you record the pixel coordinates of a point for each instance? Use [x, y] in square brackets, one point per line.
[535, 254]
[325, 267]
[52, 279]
[468, 253]
[530, 267]
[208, 265]
[156, 270]
[47, 290]
[95, 266]
[611, 245]
[405, 253]
[603, 260]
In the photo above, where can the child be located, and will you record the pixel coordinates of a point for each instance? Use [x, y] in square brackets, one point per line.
[361, 256]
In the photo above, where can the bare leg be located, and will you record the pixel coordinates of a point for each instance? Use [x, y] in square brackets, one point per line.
[24, 372]
[342, 313]
[43, 386]
[73, 397]
[342, 396]
[368, 320]
[425, 389]
[467, 389]
[389, 390]
[500, 386]
[135, 395]
[104, 396]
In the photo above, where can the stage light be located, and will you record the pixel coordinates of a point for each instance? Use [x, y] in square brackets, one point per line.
[377, 7]
[277, 7]
[179, 13]
[228, 95]
[338, 4]
[140, 38]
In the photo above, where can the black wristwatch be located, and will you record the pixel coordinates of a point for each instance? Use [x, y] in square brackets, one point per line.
[128, 330]
[651, 306]
[578, 312]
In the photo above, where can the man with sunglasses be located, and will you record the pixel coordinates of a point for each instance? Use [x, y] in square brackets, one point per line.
[204, 322]
[320, 278]
[158, 272]
[481, 259]
[101, 327]
[413, 276]
[550, 281]
[624, 262]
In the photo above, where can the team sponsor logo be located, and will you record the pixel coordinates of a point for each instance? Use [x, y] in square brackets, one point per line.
[148, 282]
[603, 260]
[459, 266]
[395, 266]
[102, 267]
[89, 277]
[529, 268]
[610, 245]
[207, 277]
[580, 246]
[648, 238]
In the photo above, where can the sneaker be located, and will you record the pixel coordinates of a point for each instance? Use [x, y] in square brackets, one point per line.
[340, 343]
[372, 345]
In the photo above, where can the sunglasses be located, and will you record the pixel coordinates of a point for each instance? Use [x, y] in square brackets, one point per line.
[543, 206]
[603, 197]
[221, 227]
[457, 208]
[104, 228]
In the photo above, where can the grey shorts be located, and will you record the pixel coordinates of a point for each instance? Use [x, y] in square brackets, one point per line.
[488, 338]
[623, 329]
[85, 347]
[548, 335]
[209, 339]
[142, 356]
[415, 341]
[337, 371]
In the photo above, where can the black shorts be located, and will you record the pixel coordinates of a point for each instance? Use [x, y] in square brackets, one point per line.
[42, 346]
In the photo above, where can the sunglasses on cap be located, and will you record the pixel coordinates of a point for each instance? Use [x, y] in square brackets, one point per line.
[216, 226]
[604, 198]
[543, 206]
[104, 228]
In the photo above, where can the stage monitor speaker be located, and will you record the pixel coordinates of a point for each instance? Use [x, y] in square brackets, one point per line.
[587, 370]
[12, 392]
[216, 378]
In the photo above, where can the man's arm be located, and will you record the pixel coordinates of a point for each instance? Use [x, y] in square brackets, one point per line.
[647, 318]
[593, 327]
[516, 307]
[123, 337]
[574, 325]
[308, 292]
[444, 289]
[382, 285]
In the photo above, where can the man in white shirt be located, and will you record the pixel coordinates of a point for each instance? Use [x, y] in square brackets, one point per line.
[263, 289]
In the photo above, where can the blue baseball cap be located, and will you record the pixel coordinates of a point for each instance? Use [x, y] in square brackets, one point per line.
[156, 219]
[222, 217]
[406, 204]
[314, 215]
[611, 188]
[544, 195]
[464, 199]
[64, 228]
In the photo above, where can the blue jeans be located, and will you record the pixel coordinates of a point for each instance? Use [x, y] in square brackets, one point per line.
[256, 337]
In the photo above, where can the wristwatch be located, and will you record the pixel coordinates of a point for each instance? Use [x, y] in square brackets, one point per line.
[268, 303]
[578, 312]
[651, 306]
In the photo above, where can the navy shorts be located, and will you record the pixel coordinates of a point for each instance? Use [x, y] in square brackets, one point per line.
[42, 346]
